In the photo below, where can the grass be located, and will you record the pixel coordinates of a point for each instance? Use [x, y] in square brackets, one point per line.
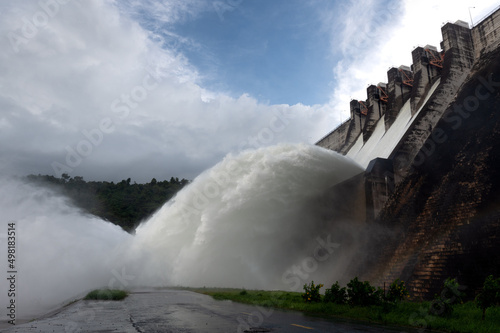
[466, 318]
[106, 294]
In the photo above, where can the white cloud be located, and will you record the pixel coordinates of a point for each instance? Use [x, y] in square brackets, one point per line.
[89, 68]
[166, 11]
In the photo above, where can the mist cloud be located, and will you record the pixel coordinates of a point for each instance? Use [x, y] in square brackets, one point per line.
[60, 251]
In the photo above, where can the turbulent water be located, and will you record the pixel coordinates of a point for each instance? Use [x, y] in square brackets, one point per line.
[256, 220]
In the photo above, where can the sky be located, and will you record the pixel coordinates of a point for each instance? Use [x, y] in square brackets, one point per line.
[111, 90]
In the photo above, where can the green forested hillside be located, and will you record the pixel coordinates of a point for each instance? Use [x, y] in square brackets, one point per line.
[122, 203]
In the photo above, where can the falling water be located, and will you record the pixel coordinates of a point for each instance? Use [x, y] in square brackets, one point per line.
[244, 222]
[256, 220]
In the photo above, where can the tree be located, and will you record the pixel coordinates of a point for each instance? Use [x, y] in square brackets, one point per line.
[442, 305]
[490, 295]
[397, 291]
[362, 293]
[311, 293]
[336, 294]
[122, 203]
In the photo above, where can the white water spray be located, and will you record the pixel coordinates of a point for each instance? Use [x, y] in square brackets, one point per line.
[244, 222]
[247, 222]
[59, 252]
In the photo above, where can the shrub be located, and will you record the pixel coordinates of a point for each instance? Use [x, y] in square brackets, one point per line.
[362, 293]
[336, 294]
[451, 291]
[397, 291]
[490, 295]
[106, 294]
[442, 305]
[311, 293]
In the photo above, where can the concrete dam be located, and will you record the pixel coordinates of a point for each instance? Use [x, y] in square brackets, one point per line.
[429, 139]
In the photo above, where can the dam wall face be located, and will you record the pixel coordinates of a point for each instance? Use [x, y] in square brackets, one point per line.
[445, 215]
[486, 34]
[336, 139]
[437, 188]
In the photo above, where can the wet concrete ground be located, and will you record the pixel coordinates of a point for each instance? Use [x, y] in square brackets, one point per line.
[183, 311]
